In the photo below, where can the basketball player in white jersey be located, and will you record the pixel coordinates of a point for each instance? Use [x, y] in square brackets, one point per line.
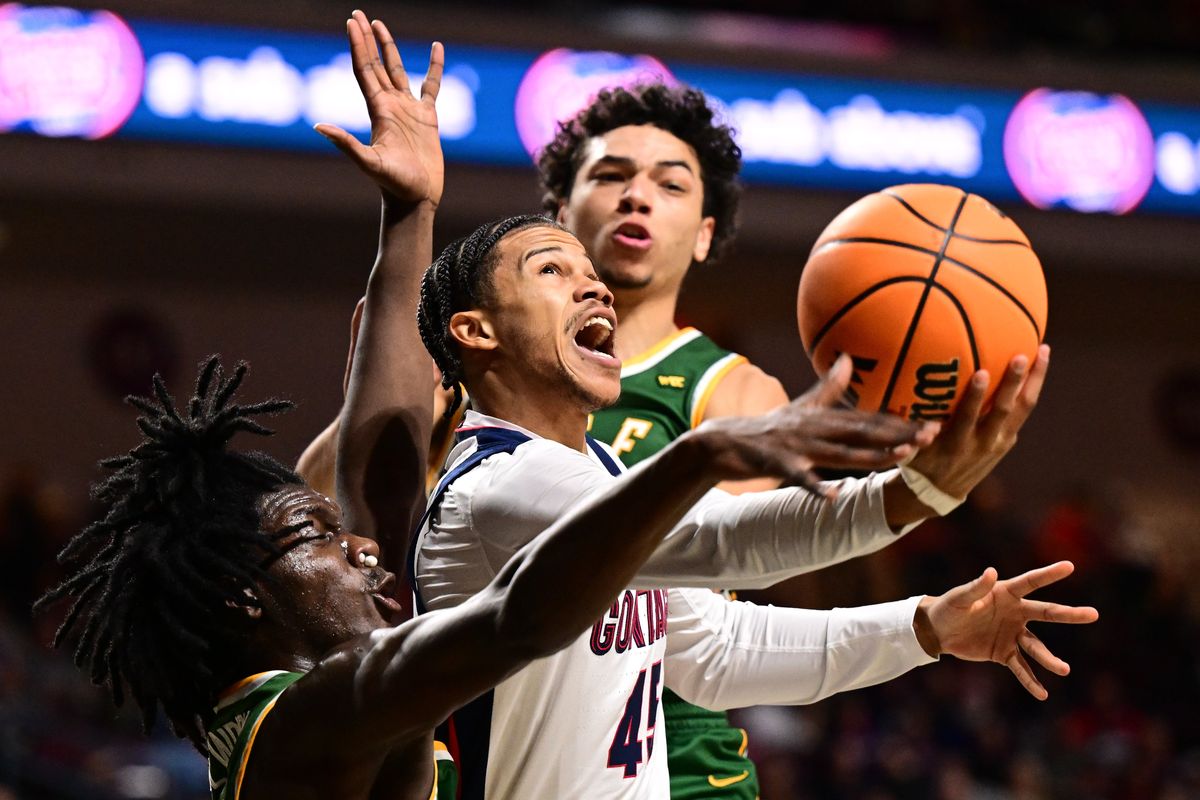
[516, 312]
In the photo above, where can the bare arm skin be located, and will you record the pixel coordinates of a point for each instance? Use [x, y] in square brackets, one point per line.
[383, 438]
[385, 689]
[746, 391]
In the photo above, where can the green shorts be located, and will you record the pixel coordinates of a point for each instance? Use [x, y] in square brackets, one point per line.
[705, 754]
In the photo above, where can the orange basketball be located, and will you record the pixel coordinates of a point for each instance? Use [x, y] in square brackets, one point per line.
[922, 285]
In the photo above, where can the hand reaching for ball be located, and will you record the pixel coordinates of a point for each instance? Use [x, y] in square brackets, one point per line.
[972, 442]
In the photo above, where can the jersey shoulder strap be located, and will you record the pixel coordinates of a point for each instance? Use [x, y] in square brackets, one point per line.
[489, 441]
[239, 713]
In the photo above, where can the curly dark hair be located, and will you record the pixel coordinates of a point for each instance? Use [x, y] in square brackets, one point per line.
[160, 581]
[681, 111]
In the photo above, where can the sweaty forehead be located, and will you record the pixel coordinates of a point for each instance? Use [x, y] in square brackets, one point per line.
[280, 507]
[645, 145]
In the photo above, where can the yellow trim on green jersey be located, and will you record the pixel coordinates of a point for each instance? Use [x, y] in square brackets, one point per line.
[239, 712]
[645, 360]
[708, 382]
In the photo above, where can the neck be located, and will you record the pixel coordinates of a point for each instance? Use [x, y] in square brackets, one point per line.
[644, 321]
[277, 646]
[528, 403]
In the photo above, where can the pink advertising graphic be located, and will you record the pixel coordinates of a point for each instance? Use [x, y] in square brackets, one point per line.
[67, 73]
[563, 81]
[1086, 151]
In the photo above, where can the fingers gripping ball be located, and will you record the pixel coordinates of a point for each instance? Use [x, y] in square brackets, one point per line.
[922, 285]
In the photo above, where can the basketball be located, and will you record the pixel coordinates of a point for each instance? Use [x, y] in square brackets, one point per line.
[922, 285]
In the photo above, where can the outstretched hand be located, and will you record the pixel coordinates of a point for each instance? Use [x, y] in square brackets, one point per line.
[986, 620]
[809, 431]
[405, 154]
[971, 442]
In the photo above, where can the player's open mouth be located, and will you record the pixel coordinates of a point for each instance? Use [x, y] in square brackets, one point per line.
[595, 337]
[632, 235]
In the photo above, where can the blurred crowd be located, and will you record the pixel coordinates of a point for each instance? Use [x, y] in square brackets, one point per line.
[1122, 727]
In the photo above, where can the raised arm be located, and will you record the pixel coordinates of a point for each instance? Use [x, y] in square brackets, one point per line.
[395, 684]
[383, 438]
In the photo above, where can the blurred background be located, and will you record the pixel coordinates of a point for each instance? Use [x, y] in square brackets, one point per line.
[162, 197]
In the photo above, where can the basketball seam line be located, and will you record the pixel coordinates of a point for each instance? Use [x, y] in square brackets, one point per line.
[848, 307]
[1037, 329]
[870, 290]
[912, 327]
[962, 312]
[935, 226]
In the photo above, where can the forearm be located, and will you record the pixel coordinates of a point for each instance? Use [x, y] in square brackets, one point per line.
[594, 553]
[755, 540]
[728, 655]
[316, 464]
[384, 437]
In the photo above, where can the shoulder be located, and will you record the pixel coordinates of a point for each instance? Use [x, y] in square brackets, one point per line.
[744, 390]
[240, 712]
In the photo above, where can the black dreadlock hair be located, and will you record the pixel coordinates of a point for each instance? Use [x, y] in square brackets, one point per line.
[679, 110]
[160, 580]
[460, 279]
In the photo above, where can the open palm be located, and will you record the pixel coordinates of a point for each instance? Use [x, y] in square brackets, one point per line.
[986, 620]
[405, 153]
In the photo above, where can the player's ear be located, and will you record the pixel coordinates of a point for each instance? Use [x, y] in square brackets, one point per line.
[253, 609]
[704, 238]
[473, 330]
[562, 214]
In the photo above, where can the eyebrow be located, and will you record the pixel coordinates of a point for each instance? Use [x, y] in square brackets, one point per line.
[625, 161]
[537, 252]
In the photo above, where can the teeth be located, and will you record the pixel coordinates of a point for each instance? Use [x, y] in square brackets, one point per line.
[599, 321]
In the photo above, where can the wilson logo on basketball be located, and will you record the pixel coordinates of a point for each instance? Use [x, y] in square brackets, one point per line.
[935, 390]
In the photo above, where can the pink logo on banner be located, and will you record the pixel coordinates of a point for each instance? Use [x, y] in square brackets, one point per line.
[1089, 152]
[67, 73]
[562, 82]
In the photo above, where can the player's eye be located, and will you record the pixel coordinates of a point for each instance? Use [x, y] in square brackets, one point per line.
[609, 177]
[549, 269]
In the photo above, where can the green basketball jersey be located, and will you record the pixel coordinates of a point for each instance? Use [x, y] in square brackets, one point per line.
[240, 712]
[664, 393]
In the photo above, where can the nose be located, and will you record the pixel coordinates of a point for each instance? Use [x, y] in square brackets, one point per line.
[361, 551]
[635, 198]
[592, 288]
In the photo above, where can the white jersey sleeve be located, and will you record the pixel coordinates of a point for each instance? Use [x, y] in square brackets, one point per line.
[738, 542]
[723, 654]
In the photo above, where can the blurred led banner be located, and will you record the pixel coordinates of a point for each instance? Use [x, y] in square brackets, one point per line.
[91, 74]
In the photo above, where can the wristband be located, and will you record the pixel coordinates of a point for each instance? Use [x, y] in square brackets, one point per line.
[927, 493]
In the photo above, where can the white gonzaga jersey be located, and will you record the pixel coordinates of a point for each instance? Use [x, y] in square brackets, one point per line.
[582, 723]
[586, 722]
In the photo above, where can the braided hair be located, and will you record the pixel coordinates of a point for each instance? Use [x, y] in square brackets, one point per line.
[460, 279]
[683, 112]
[160, 582]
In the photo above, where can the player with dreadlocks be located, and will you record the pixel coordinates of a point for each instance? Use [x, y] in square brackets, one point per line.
[221, 589]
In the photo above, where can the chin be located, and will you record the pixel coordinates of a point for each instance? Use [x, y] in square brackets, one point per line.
[598, 397]
[631, 276]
